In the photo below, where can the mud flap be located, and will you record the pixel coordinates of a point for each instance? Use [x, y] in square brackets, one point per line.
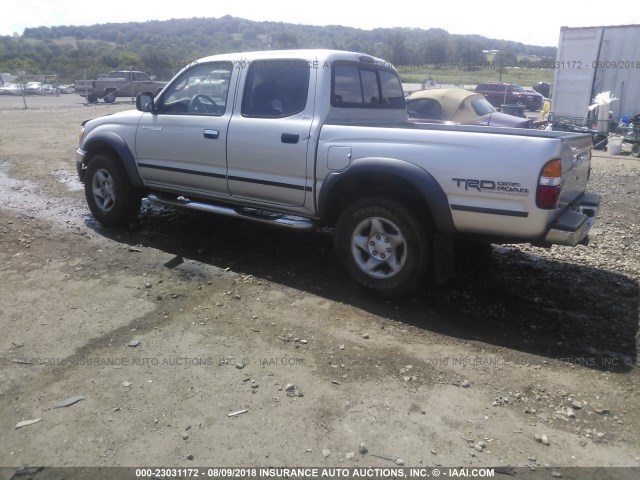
[443, 258]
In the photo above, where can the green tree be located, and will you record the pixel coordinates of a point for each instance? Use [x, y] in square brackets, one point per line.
[503, 59]
[396, 49]
[470, 55]
[129, 60]
[286, 41]
[435, 51]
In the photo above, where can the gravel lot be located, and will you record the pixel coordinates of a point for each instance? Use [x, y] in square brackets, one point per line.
[161, 331]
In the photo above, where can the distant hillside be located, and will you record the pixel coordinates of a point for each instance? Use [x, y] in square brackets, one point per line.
[162, 48]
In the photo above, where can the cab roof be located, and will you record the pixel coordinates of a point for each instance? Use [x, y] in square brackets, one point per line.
[311, 55]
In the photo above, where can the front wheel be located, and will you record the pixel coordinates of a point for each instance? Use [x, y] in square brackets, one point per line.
[383, 246]
[110, 196]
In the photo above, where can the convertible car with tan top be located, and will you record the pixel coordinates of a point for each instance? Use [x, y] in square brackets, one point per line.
[458, 106]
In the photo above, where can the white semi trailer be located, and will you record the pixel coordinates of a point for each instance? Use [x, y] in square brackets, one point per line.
[592, 60]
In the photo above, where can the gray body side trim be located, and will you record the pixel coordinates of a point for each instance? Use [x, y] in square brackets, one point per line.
[121, 148]
[424, 183]
[489, 211]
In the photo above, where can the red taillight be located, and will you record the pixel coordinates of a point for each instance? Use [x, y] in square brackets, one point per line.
[549, 182]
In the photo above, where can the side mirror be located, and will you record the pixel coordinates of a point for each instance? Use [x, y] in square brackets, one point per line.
[144, 102]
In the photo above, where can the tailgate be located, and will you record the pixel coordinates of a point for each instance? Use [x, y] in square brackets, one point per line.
[577, 209]
[576, 163]
[83, 85]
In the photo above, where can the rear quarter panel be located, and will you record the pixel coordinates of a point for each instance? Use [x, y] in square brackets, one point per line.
[489, 178]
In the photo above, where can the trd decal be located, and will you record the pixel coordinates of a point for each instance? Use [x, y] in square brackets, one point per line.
[491, 186]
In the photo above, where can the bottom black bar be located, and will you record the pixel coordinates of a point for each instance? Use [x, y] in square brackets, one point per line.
[391, 472]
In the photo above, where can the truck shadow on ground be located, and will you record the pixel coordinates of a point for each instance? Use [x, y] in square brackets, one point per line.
[500, 296]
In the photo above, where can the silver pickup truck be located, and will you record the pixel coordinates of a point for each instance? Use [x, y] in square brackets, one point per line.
[320, 138]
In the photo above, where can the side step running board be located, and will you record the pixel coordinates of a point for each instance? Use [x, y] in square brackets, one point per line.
[272, 218]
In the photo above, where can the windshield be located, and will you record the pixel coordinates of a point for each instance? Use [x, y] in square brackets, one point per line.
[482, 107]
[517, 88]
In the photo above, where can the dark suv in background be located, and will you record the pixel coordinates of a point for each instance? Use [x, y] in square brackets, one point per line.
[499, 94]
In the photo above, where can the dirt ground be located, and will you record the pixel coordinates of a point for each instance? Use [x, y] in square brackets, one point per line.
[528, 358]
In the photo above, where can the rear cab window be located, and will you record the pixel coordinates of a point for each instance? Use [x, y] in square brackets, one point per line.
[357, 85]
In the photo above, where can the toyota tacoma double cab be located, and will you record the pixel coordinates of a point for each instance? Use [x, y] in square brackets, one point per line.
[305, 139]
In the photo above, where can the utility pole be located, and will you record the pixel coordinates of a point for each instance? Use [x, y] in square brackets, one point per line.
[21, 74]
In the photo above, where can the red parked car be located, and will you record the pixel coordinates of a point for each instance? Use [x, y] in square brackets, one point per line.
[499, 94]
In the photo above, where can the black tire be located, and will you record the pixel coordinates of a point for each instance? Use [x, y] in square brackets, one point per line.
[383, 246]
[110, 96]
[600, 141]
[92, 98]
[635, 150]
[110, 196]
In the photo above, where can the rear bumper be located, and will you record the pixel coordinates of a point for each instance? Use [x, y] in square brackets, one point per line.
[572, 227]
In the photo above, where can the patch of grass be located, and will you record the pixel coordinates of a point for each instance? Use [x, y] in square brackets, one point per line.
[526, 77]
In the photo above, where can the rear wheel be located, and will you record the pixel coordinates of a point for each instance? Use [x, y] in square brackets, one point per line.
[383, 246]
[635, 150]
[110, 96]
[110, 196]
[600, 141]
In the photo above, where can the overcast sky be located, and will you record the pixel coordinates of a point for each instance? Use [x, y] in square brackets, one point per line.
[535, 22]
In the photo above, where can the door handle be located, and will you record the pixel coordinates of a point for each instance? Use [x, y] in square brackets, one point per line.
[211, 134]
[290, 138]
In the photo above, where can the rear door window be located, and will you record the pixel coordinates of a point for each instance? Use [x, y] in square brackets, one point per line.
[276, 88]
